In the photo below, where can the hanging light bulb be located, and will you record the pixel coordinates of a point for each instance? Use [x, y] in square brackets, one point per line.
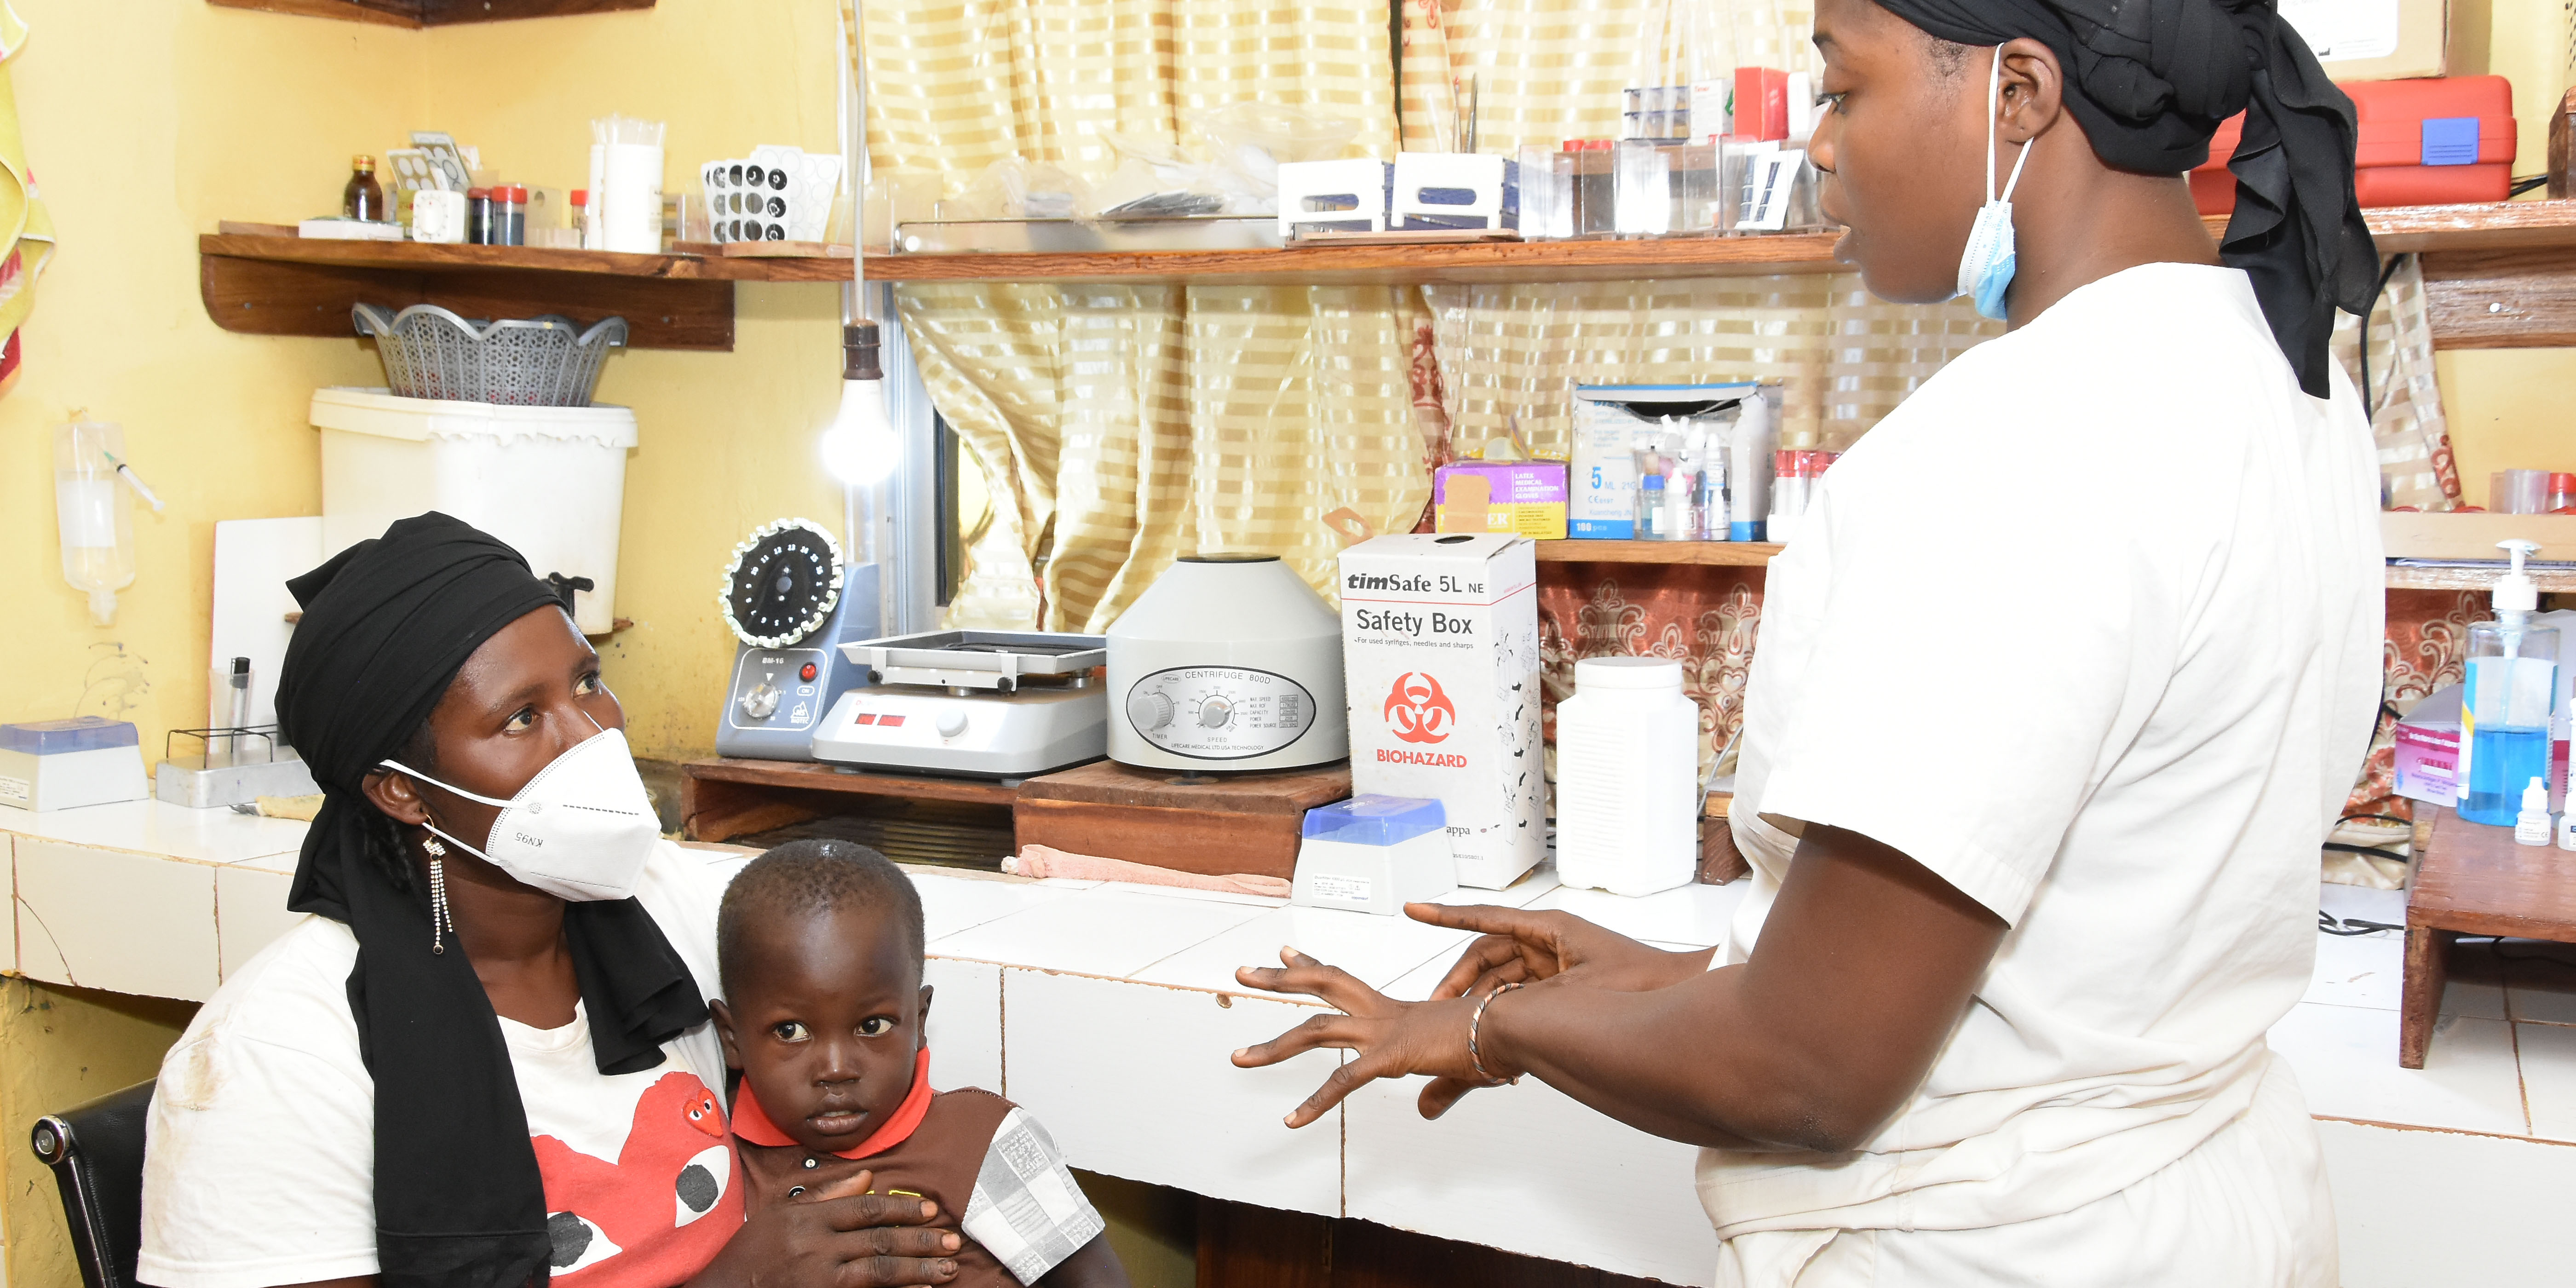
[861, 448]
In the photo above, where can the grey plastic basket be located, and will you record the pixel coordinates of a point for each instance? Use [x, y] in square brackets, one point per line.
[547, 361]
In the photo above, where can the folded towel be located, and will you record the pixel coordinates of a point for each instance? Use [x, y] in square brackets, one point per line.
[1047, 861]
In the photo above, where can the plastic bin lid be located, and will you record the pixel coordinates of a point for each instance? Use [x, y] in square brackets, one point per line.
[1375, 820]
[389, 415]
[54, 737]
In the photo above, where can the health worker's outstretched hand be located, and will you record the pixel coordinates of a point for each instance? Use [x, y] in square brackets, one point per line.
[1387, 1038]
[1516, 947]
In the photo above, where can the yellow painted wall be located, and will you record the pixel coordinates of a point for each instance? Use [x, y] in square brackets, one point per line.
[2509, 408]
[58, 1048]
[149, 122]
[145, 123]
[726, 440]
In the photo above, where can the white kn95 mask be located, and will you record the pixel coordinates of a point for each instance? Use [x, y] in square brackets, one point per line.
[581, 829]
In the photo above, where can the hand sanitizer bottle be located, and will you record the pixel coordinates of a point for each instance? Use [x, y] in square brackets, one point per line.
[2504, 715]
[2531, 826]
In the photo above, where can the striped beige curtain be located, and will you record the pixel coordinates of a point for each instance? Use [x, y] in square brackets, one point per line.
[1548, 70]
[1123, 427]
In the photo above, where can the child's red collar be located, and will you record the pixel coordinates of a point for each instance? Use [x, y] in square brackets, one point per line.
[752, 1123]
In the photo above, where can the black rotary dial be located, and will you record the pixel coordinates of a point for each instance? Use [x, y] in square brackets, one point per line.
[782, 583]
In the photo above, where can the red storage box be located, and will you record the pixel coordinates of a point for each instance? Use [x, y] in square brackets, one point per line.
[2423, 143]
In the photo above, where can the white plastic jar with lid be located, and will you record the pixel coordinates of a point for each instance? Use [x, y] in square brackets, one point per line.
[1627, 774]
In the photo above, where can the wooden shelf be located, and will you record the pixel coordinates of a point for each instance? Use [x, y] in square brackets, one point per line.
[281, 285]
[1739, 554]
[2496, 276]
[2551, 582]
[1755, 554]
[431, 13]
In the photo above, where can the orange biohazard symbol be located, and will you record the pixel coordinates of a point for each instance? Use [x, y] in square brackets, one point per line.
[1417, 711]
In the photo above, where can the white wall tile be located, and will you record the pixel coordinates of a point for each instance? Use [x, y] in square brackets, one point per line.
[2543, 994]
[1095, 932]
[122, 922]
[250, 911]
[1692, 914]
[2419, 1208]
[1134, 1080]
[952, 904]
[158, 827]
[965, 1024]
[2346, 1059]
[1529, 1170]
[2370, 970]
[2548, 1055]
[1376, 950]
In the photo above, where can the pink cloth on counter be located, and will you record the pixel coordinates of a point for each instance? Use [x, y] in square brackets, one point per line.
[1047, 861]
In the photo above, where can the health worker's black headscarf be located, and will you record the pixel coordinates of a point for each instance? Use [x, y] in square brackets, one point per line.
[2150, 81]
[386, 625]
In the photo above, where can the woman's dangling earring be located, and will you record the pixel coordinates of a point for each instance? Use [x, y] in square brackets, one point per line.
[441, 925]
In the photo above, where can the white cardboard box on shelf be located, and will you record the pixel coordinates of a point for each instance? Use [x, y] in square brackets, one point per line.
[1440, 660]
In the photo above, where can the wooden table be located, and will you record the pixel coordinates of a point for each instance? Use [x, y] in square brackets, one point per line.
[2473, 880]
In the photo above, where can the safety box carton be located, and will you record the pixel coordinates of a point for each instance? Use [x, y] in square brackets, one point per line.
[1440, 661]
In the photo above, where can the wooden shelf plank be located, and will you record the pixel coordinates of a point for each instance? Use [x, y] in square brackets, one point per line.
[431, 13]
[1740, 554]
[2551, 582]
[2498, 276]
[1448, 262]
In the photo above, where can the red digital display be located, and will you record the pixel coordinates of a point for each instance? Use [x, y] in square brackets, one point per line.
[863, 718]
[890, 720]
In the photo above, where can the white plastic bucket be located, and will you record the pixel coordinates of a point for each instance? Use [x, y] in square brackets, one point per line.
[551, 481]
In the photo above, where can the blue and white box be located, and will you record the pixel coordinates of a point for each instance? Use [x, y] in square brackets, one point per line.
[1374, 854]
[64, 764]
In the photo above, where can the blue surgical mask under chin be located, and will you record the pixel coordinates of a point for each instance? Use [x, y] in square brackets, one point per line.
[1986, 267]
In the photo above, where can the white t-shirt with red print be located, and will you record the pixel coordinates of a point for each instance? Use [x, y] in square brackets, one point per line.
[259, 1167]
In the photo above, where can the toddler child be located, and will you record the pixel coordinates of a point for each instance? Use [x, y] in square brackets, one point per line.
[819, 946]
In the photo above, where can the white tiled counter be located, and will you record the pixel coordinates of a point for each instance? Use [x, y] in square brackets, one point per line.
[1110, 1010]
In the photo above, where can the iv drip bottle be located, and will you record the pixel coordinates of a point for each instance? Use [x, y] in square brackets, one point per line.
[2504, 712]
[97, 524]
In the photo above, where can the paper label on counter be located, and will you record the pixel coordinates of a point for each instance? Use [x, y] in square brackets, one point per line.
[1340, 889]
[16, 791]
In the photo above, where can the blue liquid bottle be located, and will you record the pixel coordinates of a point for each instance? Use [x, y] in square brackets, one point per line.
[2504, 712]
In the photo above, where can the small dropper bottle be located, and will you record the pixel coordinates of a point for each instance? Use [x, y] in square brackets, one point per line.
[2531, 826]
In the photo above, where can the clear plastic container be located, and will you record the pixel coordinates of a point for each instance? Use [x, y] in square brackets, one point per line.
[1627, 777]
[95, 516]
[510, 215]
[2512, 679]
[2518, 492]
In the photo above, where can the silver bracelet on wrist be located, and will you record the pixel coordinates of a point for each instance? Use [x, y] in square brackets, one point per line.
[1474, 1022]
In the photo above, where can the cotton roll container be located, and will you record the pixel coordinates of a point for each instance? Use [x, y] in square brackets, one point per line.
[1626, 772]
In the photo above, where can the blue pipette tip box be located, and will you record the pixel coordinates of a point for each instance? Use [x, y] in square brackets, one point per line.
[1374, 854]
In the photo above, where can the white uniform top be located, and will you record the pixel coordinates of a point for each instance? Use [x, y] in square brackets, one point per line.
[2090, 627]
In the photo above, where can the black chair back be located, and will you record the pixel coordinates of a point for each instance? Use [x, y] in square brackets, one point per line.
[96, 1151]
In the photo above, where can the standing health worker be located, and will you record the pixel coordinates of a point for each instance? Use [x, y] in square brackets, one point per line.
[2035, 852]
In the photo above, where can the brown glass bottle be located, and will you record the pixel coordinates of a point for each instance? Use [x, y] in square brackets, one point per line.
[363, 198]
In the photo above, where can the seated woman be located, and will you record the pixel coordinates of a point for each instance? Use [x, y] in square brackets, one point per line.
[487, 1058]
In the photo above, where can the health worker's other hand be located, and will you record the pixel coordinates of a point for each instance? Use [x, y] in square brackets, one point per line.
[1516, 947]
[838, 1236]
[1386, 1038]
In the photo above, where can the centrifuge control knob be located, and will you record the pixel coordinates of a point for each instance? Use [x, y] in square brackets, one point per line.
[951, 723]
[761, 700]
[1149, 711]
[1214, 712]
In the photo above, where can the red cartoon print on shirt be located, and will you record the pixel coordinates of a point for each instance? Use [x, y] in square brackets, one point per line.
[661, 1211]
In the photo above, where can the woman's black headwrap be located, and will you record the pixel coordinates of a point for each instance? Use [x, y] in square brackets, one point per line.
[386, 625]
[2150, 80]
